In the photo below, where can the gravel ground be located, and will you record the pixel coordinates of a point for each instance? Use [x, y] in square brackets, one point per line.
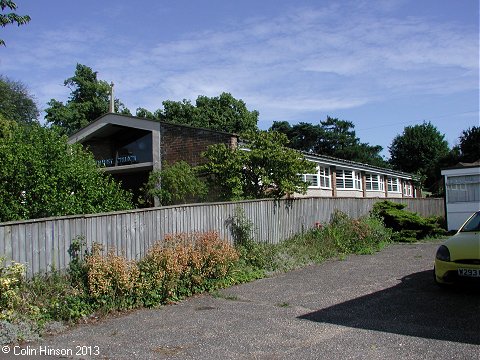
[364, 307]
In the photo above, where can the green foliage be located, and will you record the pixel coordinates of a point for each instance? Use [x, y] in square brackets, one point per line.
[11, 18]
[418, 150]
[254, 256]
[332, 137]
[77, 269]
[224, 171]
[178, 183]
[16, 104]
[407, 226]
[12, 277]
[221, 113]
[340, 237]
[54, 297]
[266, 169]
[89, 99]
[42, 175]
[241, 228]
[470, 144]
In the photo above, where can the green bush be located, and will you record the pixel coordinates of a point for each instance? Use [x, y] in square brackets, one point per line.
[12, 278]
[52, 297]
[407, 226]
[340, 237]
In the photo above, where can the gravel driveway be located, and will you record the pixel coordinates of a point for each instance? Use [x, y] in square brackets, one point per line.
[365, 307]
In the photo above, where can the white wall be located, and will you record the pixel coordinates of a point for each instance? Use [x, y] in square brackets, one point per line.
[316, 193]
[350, 193]
[458, 212]
[375, 194]
[394, 195]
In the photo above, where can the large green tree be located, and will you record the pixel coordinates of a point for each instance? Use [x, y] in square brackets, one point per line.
[264, 168]
[11, 17]
[16, 103]
[419, 149]
[220, 113]
[89, 99]
[469, 144]
[42, 175]
[332, 137]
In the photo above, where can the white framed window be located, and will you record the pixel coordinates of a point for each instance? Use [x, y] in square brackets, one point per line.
[407, 189]
[312, 180]
[393, 184]
[325, 178]
[374, 182]
[321, 179]
[463, 188]
[348, 179]
[358, 180]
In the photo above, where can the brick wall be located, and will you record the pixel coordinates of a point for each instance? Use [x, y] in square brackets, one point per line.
[101, 149]
[187, 143]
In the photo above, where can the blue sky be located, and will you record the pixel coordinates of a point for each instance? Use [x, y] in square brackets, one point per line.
[383, 64]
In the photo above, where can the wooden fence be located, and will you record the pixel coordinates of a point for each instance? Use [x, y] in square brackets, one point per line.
[43, 244]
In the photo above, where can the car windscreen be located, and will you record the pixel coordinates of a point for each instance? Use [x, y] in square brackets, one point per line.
[473, 224]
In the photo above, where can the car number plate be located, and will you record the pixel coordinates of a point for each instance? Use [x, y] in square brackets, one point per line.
[469, 272]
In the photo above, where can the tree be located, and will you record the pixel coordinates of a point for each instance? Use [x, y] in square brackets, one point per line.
[336, 138]
[42, 175]
[16, 103]
[175, 184]
[332, 137]
[419, 149]
[266, 168]
[89, 99]
[11, 18]
[470, 144]
[221, 113]
[302, 136]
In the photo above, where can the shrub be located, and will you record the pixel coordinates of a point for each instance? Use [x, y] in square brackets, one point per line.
[12, 278]
[254, 258]
[112, 280]
[185, 264]
[340, 237]
[407, 226]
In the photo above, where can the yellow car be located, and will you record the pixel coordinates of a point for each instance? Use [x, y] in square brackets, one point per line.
[458, 258]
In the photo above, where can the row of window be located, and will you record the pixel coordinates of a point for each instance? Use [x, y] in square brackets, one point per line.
[352, 180]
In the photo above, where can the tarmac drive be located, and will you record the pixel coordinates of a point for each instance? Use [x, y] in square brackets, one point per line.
[382, 306]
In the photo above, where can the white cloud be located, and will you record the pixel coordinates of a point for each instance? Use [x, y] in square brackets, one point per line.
[309, 59]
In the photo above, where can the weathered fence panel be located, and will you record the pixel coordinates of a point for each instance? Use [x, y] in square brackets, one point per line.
[43, 244]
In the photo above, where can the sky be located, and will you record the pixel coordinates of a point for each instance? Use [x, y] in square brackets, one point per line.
[382, 65]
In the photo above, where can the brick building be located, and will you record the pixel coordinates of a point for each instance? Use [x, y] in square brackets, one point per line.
[129, 148]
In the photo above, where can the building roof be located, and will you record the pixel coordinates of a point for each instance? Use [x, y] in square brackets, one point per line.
[129, 121]
[357, 165]
[464, 165]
